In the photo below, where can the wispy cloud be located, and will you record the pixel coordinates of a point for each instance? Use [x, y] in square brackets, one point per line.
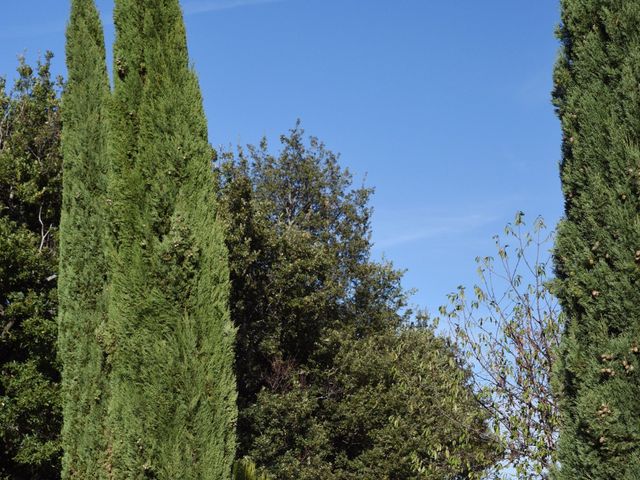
[534, 91]
[436, 227]
[29, 31]
[192, 7]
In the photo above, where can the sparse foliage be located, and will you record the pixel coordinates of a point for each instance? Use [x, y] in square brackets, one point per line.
[509, 328]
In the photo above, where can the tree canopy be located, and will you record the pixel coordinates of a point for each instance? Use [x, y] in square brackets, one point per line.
[30, 197]
[331, 382]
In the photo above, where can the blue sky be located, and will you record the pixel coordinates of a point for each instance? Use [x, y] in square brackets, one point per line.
[443, 105]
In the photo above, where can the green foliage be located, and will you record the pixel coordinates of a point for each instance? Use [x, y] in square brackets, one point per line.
[509, 329]
[245, 469]
[30, 185]
[598, 249]
[83, 266]
[328, 387]
[320, 338]
[169, 341]
[298, 238]
[392, 406]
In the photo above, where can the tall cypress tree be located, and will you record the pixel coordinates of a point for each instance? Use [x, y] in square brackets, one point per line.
[170, 344]
[597, 254]
[82, 245]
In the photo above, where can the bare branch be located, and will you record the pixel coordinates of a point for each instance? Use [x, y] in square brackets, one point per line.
[43, 235]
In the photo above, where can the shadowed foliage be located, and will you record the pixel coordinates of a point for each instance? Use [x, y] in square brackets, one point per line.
[30, 189]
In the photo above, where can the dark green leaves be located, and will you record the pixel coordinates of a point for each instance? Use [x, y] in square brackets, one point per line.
[30, 166]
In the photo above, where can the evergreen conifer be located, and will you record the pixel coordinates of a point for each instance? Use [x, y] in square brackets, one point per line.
[170, 340]
[83, 267]
[598, 245]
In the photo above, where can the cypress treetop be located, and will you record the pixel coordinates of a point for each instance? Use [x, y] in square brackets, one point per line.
[172, 407]
[83, 267]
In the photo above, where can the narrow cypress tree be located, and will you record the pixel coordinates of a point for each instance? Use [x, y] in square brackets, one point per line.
[172, 407]
[597, 253]
[82, 245]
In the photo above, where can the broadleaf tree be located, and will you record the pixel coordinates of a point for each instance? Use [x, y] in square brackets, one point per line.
[321, 336]
[508, 326]
[30, 189]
